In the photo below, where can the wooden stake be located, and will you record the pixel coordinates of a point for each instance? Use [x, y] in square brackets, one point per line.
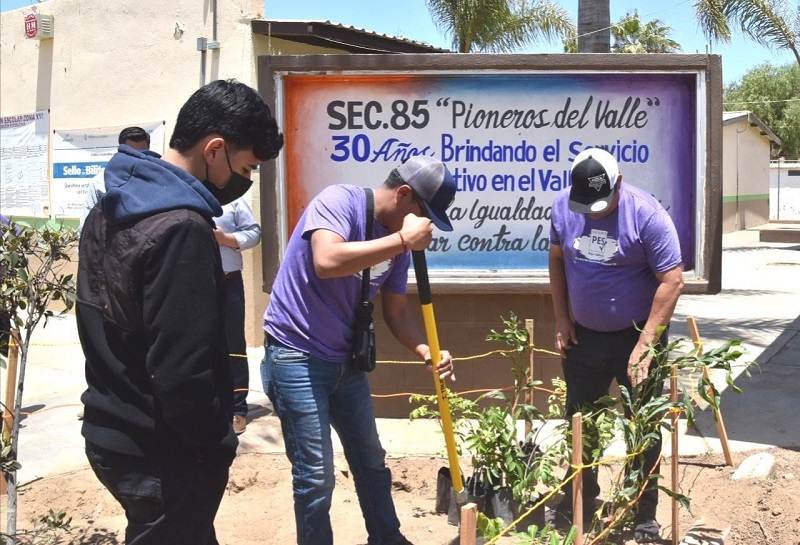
[723, 434]
[529, 327]
[577, 482]
[469, 521]
[673, 396]
[11, 392]
[695, 334]
[11, 384]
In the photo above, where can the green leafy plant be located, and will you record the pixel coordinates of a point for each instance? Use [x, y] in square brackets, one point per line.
[544, 536]
[31, 281]
[488, 429]
[493, 441]
[639, 421]
[462, 411]
[490, 528]
[48, 529]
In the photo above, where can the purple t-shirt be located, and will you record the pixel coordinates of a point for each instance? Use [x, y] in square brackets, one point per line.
[611, 262]
[317, 315]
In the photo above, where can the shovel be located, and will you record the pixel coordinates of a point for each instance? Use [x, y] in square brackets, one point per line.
[424, 288]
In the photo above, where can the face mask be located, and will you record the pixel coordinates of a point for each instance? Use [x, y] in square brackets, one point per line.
[236, 186]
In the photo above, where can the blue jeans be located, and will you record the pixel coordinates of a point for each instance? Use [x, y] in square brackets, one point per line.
[311, 395]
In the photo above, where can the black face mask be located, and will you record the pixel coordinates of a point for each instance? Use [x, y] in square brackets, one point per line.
[236, 186]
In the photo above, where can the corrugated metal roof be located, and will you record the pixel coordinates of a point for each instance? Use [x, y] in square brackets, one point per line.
[338, 35]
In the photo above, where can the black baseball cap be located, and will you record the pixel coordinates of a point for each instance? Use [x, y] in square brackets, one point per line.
[594, 179]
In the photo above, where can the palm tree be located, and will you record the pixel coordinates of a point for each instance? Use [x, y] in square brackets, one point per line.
[594, 25]
[771, 23]
[631, 36]
[499, 26]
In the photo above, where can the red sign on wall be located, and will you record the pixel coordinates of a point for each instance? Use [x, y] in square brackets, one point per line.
[31, 25]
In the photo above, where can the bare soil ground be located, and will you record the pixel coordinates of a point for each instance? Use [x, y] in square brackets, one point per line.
[257, 508]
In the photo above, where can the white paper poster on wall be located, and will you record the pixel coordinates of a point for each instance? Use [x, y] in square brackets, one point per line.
[81, 154]
[24, 189]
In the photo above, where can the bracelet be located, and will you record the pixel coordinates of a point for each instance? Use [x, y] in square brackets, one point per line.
[405, 244]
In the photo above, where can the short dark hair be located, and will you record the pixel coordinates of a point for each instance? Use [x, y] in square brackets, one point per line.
[135, 134]
[394, 180]
[234, 111]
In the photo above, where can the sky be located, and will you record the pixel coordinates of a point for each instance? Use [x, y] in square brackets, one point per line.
[411, 19]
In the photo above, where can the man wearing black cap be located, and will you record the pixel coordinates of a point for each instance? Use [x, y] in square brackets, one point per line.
[615, 277]
[308, 371]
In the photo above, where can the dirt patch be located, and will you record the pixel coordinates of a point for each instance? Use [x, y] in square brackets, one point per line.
[257, 508]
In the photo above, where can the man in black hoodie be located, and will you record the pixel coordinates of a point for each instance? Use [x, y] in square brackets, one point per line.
[159, 403]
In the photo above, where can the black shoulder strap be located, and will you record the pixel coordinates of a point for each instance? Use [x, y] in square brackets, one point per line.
[370, 217]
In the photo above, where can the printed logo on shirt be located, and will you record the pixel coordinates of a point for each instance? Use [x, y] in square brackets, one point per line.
[596, 246]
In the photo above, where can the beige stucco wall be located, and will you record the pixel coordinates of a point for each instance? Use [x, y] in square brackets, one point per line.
[116, 63]
[745, 177]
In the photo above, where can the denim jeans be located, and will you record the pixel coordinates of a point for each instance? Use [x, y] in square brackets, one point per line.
[589, 368]
[311, 395]
[237, 346]
[172, 499]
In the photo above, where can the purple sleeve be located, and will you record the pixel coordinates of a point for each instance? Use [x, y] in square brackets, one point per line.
[556, 215]
[397, 282]
[661, 242]
[335, 209]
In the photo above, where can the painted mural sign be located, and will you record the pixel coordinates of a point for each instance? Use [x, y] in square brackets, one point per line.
[81, 154]
[508, 139]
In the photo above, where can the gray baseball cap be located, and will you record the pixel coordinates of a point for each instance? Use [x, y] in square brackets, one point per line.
[433, 182]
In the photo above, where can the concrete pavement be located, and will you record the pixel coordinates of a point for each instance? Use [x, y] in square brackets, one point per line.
[758, 305]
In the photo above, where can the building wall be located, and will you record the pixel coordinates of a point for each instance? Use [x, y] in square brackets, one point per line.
[112, 64]
[116, 63]
[745, 177]
[784, 191]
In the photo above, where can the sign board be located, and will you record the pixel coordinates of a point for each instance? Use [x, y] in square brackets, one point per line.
[31, 25]
[508, 128]
[81, 154]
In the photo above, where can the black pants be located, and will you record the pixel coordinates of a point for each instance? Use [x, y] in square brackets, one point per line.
[171, 500]
[234, 335]
[589, 368]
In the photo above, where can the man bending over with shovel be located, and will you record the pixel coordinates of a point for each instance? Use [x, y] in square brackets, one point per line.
[308, 369]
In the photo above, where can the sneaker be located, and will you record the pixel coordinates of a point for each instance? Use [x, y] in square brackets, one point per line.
[646, 531]
[239, 424]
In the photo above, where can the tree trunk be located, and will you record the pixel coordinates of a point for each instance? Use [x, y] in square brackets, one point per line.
[594, 22]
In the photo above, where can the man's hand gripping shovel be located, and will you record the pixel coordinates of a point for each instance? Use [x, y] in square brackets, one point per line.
[424, 288]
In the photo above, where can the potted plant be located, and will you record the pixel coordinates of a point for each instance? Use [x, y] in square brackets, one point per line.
[509, 469]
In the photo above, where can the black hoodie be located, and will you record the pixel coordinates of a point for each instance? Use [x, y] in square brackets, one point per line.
[150, 306]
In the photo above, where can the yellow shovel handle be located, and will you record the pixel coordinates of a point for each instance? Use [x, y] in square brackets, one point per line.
[424, 288]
